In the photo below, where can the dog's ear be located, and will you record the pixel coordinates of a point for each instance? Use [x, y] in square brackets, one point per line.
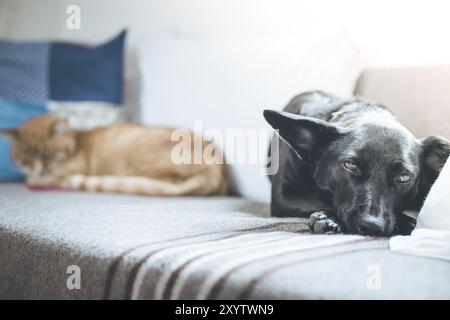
[435, 151]
[11, 134]
[434, 154]
[302, 134]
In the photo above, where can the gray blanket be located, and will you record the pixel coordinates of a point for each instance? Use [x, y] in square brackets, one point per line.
[130, 247]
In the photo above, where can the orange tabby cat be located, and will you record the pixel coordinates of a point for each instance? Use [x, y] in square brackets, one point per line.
[126, 158]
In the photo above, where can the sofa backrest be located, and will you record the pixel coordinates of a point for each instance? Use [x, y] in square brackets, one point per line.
[419, 96]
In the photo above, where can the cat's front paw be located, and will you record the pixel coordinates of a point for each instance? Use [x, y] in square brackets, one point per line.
[74, 182]
[43, 182]
[319, 223]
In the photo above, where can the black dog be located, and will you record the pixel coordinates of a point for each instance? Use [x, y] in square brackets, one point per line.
[350, 166]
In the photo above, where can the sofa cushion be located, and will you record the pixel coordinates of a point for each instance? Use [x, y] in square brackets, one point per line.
[219, 247]
[419, 96]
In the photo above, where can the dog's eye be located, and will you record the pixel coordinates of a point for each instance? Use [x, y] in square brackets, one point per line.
[351, 166]
[404, 178]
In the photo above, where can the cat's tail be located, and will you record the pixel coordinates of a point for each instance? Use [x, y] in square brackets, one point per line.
[207, 182]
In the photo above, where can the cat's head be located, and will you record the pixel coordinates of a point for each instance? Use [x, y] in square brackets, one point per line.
[41, 145]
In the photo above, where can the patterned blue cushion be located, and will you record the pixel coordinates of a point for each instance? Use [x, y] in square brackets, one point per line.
[24, 71]
[32, 74]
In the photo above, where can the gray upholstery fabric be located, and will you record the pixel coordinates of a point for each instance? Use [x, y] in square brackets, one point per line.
[151, 248]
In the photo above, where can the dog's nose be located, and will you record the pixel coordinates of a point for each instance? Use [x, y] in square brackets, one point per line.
[372, 225]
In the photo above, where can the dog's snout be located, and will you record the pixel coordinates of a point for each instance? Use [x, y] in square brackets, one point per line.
[372, 225]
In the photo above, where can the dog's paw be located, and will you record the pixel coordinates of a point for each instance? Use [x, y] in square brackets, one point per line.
[319, 223]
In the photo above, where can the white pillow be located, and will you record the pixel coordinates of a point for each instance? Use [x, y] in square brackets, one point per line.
[227, 83]
[86, 115]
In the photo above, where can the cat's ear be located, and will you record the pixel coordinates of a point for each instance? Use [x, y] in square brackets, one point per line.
[11, 134]
[61, 126]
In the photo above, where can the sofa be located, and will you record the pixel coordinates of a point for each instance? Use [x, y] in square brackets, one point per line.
[74, 245]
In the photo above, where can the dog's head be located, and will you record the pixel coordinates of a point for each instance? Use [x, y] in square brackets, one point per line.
[372, 166]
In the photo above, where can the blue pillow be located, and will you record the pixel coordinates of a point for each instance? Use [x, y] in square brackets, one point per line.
[82, 73]
[32, 74]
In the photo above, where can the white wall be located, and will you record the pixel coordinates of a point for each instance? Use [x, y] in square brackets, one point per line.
[402, 32]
